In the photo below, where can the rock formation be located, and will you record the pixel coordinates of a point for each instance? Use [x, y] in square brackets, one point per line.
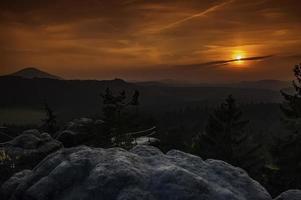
[290, 195]
[143, 173]
[26, 151]
[80, 131]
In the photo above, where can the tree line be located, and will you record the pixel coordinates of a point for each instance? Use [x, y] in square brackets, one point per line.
[224, 137]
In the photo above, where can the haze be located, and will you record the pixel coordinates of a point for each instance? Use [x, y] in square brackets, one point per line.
[189, 40]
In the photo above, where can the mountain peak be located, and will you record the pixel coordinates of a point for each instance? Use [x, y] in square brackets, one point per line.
[30, 69]
[32, 72]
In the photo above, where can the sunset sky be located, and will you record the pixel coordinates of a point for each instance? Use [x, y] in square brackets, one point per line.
[191, 40]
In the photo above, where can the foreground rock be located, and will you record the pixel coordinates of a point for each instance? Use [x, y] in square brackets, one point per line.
[290, 195]
[143, 173]
[25, 152]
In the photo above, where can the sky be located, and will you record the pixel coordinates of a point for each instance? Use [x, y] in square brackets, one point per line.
[187, 40]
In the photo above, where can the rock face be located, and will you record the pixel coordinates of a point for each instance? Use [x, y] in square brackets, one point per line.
[26, 151]
[31, 145]
[290, 195]
[79, 131]
[143, 173]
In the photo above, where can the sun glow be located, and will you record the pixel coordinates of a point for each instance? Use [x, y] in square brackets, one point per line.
[238, 57]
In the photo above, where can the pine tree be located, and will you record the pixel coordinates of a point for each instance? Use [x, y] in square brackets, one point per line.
[135, 98]
[117, 119]
[50, 122]
[287, 150]
[225, 138]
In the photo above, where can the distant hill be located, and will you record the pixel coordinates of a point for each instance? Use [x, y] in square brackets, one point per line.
[260, 84]
[82, 97]
[263, 84]
[34, 73]
[166, 82]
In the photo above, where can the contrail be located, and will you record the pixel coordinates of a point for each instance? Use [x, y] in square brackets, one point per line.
[203, 13]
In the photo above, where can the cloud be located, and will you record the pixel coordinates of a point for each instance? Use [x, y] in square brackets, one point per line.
[200, 14]
[122, 37]
[220, 62]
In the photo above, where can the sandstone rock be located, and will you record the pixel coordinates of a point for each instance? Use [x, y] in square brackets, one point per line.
[32, 145]
[32, 132]
[79, 131]
[290, 195]
[15, 181]
[143, 173]
[26, 151]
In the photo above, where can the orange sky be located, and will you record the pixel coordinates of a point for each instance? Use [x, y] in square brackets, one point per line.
[151, 40]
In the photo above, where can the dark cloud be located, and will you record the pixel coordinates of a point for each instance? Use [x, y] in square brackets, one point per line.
[221, 62]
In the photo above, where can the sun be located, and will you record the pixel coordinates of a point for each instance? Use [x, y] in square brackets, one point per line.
[238, 57]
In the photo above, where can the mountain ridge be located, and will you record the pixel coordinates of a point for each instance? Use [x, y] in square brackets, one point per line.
[270, 84]
[31, 72]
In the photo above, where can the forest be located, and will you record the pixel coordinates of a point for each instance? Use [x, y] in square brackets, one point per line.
[261, 138]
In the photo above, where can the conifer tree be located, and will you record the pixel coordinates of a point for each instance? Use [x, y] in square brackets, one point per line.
[135, 98]
[287, 150]
[116, 118]
[225, 138]
[50, 122]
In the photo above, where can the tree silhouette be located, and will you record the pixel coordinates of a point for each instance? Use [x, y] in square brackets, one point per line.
[225, 138]
[135, 98]
[50, 122]
[287, 150]
[117, 119]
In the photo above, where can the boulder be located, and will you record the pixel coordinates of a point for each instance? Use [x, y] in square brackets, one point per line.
[143, 173]
[15, 181]
[31, 145]
[79, 131]
[25, 151]
[4, 135]
[290, 195]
